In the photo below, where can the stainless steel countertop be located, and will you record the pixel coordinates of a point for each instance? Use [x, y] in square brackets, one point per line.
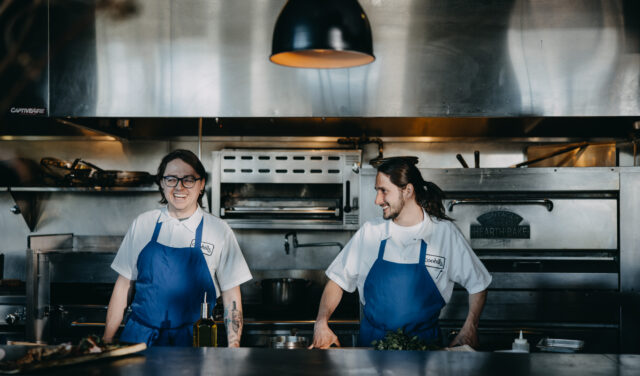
[251, 361]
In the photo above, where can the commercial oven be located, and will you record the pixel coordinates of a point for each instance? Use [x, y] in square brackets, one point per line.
[287, 189]
[550, 237]
[68, 287]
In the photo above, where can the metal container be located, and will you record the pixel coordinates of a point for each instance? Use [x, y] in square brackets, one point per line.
[560, 345]
[284, 292]
[288, 342]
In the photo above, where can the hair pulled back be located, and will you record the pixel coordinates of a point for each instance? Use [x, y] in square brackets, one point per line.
[403, 171]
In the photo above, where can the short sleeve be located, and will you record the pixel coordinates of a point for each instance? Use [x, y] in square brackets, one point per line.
[126, 259]
[344, 268]
[232, 269]
[467, 269]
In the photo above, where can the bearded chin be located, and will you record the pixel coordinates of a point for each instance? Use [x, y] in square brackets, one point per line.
[393, 214]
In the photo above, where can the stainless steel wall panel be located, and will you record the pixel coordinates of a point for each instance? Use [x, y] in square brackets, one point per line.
[525, 179]
[630, 258]
[434, 58]
[629, 234]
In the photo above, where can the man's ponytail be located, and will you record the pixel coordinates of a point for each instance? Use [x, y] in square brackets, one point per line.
[402, 171]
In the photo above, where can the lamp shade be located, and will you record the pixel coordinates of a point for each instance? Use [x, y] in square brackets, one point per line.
[322, 34]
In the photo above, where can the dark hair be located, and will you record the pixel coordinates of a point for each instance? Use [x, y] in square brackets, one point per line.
[187, 157]
[402, 171]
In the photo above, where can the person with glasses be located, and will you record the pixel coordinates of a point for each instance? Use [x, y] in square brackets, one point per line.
[171, 257]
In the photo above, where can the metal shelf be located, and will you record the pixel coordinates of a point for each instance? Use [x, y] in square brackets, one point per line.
[27, 199]
[80, 189]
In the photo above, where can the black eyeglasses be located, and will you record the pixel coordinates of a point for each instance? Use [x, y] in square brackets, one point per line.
[187, 181]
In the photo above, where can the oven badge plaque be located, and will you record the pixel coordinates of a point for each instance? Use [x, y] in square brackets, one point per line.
[500, 225]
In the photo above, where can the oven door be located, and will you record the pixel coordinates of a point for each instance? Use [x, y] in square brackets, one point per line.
[537, 221]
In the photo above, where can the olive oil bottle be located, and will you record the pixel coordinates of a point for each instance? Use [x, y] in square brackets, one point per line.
[205, 331]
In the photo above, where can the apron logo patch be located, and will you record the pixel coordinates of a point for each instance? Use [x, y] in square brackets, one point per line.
[207, 248]
[436, 262]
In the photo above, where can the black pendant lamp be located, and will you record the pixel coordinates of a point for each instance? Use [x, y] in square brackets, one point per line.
[322, 34]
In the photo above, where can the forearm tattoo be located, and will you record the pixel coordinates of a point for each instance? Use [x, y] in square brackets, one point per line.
[233, 324]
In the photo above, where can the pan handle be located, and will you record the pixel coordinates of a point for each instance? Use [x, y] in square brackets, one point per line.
[567, 149]
[82, 162]
[460, 159]
[544, 202]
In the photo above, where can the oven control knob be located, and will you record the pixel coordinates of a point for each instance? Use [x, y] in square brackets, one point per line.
[11, 319]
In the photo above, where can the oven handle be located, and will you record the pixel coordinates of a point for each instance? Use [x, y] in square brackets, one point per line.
[87, 324]
[90, 324]
[514, 331]
[544, 202]
[545, 258]
[280, 210]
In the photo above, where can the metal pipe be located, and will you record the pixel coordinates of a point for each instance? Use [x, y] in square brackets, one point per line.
[200, 138]
[294, 237]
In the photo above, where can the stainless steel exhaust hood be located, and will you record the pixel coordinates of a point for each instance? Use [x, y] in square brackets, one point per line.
[435, 58]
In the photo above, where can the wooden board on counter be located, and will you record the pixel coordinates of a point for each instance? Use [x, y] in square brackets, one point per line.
[12, 353]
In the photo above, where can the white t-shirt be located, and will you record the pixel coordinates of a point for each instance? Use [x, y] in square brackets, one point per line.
[449, 257]
[219, 246]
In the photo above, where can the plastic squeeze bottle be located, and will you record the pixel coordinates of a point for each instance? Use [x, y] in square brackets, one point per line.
[520, 344]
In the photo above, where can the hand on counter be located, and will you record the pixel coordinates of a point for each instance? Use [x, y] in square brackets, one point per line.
[323, 336]
[468, 335]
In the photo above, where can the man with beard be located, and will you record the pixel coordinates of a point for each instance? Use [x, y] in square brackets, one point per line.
[404, 265]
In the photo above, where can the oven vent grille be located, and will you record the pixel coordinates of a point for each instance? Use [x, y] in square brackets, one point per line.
[285, 166]
[351, 159]
[351, 219]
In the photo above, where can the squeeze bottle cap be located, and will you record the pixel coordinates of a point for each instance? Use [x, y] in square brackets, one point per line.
[521, 340]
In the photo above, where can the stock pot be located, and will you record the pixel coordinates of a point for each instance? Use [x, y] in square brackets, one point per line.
[284, 292]
[288, 342]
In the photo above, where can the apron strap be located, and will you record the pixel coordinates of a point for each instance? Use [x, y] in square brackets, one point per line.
[198, 242]
[423, 253]
[383, 243]
[156, 230]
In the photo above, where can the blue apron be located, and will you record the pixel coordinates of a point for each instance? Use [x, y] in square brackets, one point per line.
[169, 291]
[400, 296]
